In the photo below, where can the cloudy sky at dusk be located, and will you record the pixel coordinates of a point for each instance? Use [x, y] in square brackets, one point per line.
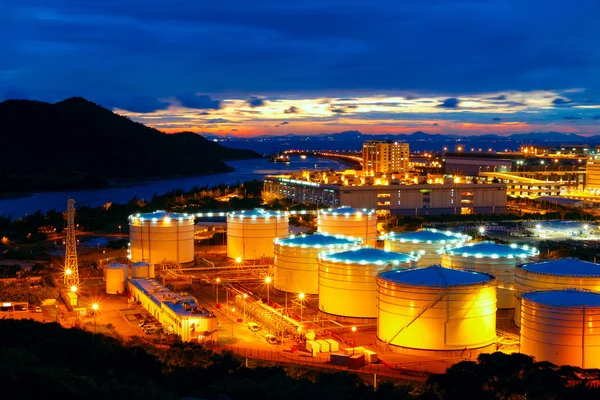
[276, 67]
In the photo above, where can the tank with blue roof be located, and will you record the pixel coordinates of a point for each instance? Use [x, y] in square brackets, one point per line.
[347, 281]
[349, 221]
[499, 260]
[436, 309]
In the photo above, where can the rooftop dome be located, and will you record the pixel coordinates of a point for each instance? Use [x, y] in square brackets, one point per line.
[435, 275]
[564, 298]
[256, 213]
[565, 267]
[428, 236]
[116, 265]
[161, 214]
[369, 255]
[493, 250]
[347, 211]
[317, 240]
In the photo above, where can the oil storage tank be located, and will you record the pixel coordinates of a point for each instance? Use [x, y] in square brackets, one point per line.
[295, 267]
[161, 236]
[141, 270]
[563, 273]
[347, 281]
[115, 275]
[428, 243]
[358, 223]
[435, 309]
[499, 260]
[250, 233]
[561, 326]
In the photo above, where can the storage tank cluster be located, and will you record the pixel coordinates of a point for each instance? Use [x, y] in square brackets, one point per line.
[433, 309]
[495, 259]
[561, 326]
[250, 233]
[347, 281]
[161, 236]
[348, 221]
[115, 275]
[295, 267]
[564, 273]
[428, 243]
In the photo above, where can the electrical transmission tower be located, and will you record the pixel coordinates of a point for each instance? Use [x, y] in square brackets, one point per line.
[71, 268]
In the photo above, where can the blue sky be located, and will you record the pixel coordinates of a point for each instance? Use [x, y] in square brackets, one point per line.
[312, 66]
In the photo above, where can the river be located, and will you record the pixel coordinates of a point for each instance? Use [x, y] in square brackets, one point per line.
[244, 170]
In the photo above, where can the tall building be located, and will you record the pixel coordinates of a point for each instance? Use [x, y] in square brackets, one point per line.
[592, 173]
[385, 156]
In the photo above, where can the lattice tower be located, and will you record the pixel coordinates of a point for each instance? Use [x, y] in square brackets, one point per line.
[71, 267]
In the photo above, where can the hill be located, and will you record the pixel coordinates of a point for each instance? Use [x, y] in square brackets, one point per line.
[78, 144]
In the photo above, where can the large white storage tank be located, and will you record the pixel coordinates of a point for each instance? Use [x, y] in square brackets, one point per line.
[436, 309]
[295, 267]
[161, 236]
[564, 273]
[250, 234]
[115, 275]
[499, 260]
[561, 327]
[347, 280]
[358, 223]
[428, 243]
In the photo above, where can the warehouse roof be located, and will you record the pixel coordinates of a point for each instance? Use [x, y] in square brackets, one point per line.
[564, 267]
[428, 236]
[347, 211]
[435, 275]
[564, 298]
[317, 240]
[369, 255]
[493, 250]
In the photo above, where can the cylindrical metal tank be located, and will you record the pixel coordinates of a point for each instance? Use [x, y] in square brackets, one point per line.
[348, 221]
[429, 243]
[250, 234]
[295, 267]
[347, 280]
[564, 273]
[498, 260]
[115, 275]
[436, 308]
[141, 270]
[561, 326]
[161, 236]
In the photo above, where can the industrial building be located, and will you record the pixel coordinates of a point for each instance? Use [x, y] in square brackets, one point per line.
[160, 237]
[498, 260]
[565, 273]
[428, 243]
[295, 268]
[401, 198]
[348, 221]
[561, 327]
[385, 156]
[347, 281]
[434, 309]
[177, 313]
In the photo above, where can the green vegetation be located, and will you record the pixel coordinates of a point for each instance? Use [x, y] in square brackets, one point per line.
[24, 291]
[78, 144]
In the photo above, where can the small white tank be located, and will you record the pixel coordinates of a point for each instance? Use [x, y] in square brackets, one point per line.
[115, 275]
[141, 270]
[347, 280]
[250, 234]
[428, 243]
[561, 326]
[348, 221]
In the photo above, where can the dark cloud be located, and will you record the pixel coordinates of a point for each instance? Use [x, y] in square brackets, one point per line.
[496, 119]
[137, 104]
[292, 110]
[435, 124]
[571, 117]
[285, 123]
[559, 101]
[337, 110]
[501, 97]
[255, 101]
[450, 102]
[234, 130]
[193, 100]
[596, 117]
[217, 121]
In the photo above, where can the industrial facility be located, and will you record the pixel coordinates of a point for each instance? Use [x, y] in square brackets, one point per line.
[348, 221]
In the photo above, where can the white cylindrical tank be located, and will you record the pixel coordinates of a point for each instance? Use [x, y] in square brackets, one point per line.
[295, 267]
[499, 260]
[428, 243]
[436, 308]
[348, 221]
[347, 280]
[561, 327]
[250, 234]
[161, 236]
[115, 275]
[564, 273]
[141, 270]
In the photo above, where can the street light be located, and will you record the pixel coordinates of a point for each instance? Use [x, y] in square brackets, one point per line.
[353, 339]
[301, 297]
[218, 280]
[482, 230]
[95, 308]
[268, 282]
[73, 289]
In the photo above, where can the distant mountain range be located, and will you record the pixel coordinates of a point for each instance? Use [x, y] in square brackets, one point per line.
[78, 144]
